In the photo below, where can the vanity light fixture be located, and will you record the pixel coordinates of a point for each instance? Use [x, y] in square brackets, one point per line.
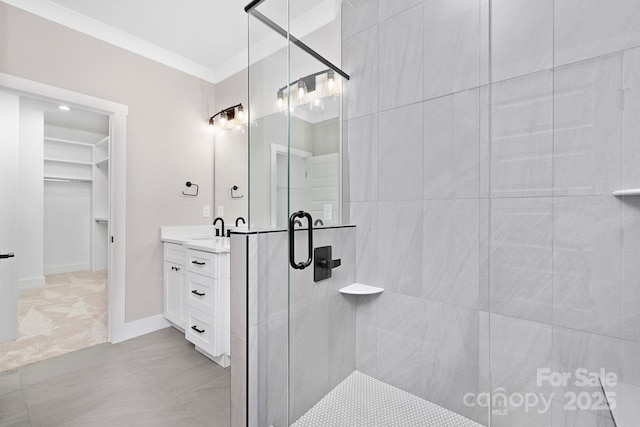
[306, 85]
[228, 118]
[302, 89]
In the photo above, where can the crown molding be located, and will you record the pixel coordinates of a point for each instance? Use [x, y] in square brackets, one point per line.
[94, 28]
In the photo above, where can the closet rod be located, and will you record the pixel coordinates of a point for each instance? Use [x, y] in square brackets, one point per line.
[67, 180]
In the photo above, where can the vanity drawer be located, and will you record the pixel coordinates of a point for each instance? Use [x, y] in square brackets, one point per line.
[204, 263]
[202, 293]
[175, 253]
[202, 330]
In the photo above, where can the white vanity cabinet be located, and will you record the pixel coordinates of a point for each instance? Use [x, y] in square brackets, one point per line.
[175, 284]
[197, 290]
[208, 304]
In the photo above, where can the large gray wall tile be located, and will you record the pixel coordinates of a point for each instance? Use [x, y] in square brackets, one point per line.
[400, 54]
[238, 265]
[360, 60]
[631, 269]
[522, 37]
[522, 136]
[366, 334]
[589, 28]
[273, 370]
[518, 349]
[389, 8]
[400, 162]
[239, 381]
[451, 49]
[451, 146]
[342, 337]
[400, 247]
[365, 215]
[587, 258]
[363, 158]
[356, 19]
[273, 269]
[451, 263]
[309, 361]
[450, 356]
[521, 258]
[630, 122]
[400, 361]
[587, 118]
[574, 350]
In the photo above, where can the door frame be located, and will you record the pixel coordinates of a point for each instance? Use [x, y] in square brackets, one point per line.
[117, 184]
[277, 149]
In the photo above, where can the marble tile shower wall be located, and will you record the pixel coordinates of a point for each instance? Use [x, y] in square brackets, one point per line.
[321, 323]
[484, 140]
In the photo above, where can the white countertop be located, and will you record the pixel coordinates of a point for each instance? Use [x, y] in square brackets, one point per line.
[198, 237]
[216, 245]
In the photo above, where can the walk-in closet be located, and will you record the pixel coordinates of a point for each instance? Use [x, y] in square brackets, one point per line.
[62, 229]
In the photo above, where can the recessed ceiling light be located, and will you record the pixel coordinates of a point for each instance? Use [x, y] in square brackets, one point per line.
[64, 107]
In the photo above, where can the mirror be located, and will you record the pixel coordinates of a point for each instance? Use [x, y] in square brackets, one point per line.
[314, 164]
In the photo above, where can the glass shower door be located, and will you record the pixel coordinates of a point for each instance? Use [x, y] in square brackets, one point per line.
[295, 157]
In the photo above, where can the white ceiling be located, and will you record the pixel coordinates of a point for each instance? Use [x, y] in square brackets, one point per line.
[205, 38]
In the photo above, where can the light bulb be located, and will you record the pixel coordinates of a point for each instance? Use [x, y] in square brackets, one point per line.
[330, 79]
[302, 89]
[240, 113]
[223, 118]
[280, 98]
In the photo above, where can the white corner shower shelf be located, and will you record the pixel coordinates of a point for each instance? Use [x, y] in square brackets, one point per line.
[361, 289]
[629, 192]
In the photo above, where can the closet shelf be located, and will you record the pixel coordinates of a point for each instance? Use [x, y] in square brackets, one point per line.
[102, 162]
[73, 162]
[361, 289]
[67, 141]
[629, 192]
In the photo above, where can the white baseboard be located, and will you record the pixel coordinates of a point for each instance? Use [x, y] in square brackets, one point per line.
[57, 269]
[32, 283]
[140, 327]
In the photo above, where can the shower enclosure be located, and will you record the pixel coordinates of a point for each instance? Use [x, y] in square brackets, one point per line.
[492, 258]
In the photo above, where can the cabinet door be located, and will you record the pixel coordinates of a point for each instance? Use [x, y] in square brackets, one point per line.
[174, 293]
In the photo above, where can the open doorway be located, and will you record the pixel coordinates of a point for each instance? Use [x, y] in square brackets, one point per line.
[61, 228]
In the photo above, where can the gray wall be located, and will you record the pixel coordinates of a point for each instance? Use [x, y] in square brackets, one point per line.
[481, 171]
[167, 138]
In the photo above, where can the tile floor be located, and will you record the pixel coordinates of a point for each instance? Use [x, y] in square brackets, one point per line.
[361, 400]
[68, 313]
[154, 380]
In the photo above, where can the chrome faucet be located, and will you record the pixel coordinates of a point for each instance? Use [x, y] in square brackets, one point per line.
[218, 233]
[240, 219]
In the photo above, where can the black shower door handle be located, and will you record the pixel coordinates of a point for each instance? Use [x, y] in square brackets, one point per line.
[292, 239]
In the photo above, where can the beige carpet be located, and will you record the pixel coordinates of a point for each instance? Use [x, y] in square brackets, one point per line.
[67, 314]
